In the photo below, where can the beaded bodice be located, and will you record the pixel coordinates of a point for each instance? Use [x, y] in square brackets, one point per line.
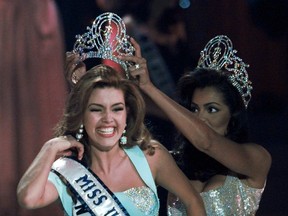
[233, 198]
[144, 199]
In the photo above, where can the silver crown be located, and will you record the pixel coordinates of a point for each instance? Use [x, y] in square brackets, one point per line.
[219, 54]
[105, 39]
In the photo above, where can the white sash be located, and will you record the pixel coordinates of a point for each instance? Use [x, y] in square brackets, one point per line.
[88, 188]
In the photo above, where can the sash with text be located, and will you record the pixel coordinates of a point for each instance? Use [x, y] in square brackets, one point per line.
[88, 188]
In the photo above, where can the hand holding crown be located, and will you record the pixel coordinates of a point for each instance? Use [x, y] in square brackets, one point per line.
[75, 68]
[139, 69]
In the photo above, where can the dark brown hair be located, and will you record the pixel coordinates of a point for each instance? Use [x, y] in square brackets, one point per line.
[194, 163]
[103, 76]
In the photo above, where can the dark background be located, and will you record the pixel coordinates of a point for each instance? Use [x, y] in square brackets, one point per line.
[258, 30]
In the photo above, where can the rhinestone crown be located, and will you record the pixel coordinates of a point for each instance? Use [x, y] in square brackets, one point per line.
[105, 39]
[219, 54]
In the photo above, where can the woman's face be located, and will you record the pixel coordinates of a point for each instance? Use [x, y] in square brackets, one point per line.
[105, 117]
[208, 105]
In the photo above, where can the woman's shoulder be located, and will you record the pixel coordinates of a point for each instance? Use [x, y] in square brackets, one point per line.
[258, 149]
[258, 160]
[160, 156]
[157, 148]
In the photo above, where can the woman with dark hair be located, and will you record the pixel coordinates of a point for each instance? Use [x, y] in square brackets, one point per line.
[195, 163]
[228, 171]
[113, 165]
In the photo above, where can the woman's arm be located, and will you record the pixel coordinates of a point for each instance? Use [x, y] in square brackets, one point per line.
[248, 159]
[168, 175]
[34, 190]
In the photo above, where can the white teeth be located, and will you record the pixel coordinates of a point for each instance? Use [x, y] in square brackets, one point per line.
[106, 130]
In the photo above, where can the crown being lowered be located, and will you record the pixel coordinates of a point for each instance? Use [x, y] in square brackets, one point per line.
[218, 54]
[105, 39]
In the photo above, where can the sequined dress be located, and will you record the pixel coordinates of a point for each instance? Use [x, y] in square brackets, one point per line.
[234, 198]
[138, 201]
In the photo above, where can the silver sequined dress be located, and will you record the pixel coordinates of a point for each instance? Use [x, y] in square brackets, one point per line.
[234, 198]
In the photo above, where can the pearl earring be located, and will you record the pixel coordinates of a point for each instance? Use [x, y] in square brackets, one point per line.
[79, 135]
[123, 139]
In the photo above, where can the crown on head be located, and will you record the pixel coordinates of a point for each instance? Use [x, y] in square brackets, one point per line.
[105, 39]
[219, 54]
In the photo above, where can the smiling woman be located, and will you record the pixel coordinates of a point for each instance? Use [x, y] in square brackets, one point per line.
[105, 117]
[114, 165]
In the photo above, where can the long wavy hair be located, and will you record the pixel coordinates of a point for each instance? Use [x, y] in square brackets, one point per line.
[103, 76]
[196, 164]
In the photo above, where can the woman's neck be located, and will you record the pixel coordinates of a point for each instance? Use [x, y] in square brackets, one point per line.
[106, 161]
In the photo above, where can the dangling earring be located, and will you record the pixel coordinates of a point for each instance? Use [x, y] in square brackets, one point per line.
[123, 139]
[79, 135]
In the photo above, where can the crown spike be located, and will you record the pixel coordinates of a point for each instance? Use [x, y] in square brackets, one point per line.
[219, 54]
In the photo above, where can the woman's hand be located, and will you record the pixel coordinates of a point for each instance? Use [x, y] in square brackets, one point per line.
[33, 189]
[74, 68]
[139, 70]
[65, 146]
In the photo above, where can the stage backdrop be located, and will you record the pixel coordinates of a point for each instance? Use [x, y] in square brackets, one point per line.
[32, 91]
